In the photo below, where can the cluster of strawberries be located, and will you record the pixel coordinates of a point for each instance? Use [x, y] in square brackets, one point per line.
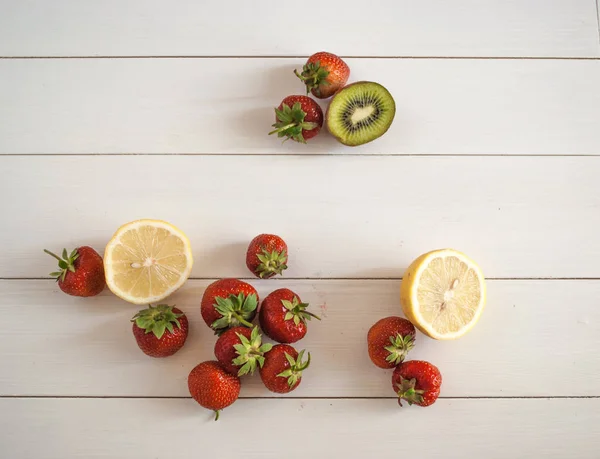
[300, 118]
[415, 381]
[229, 307]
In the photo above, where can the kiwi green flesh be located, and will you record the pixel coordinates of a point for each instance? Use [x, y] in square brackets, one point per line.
[360, 112]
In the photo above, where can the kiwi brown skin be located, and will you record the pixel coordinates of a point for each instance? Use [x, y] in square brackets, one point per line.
[327, 115]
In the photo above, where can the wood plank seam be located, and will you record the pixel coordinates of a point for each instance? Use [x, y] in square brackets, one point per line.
[358, 279]
[275, 56]
[303, 155]
[275, 397]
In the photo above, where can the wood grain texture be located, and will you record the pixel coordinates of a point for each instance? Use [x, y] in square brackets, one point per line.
[163, 429]
[525, 383]
[226, 106]
[397, 28]
[535, 338]
[341, 216]
[598, 17]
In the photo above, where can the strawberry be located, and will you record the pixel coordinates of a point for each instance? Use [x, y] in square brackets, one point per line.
[282, 371]
[240, 350]
[228, 303]
[283, 316]
[213, 387]
[323, 74]
[81, 273]
[418, 382]
[298, 118]
[389, 341]
[267, 256]
[160, 331]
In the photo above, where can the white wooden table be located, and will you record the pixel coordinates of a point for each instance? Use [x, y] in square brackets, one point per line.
[117, 110]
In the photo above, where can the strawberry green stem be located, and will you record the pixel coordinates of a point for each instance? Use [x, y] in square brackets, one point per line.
[303, 366]
[158, 320]
[250, 352]
[399, 348]
[283, 128]
[296, 367]
[291, 122]
[312, 315]
[217, 412]
[52, 254]
[313, 75]
[407, 391]
[243, 321]
[68, 261]
[234, 310]
[302, 77]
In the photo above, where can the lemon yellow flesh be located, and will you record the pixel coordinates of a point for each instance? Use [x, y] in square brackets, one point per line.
[443, 294]
[147, 260]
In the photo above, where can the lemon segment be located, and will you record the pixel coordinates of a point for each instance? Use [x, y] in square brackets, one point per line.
[443, 294]
[147, 260]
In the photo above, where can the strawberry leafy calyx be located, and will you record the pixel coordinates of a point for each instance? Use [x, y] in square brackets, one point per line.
[271, 263]
[235, 310]
[399, 348]
[290, 122]
[407, 391]
[66, 263]
[157, 319]
[313, 75]
[250, 352]
[297, 312]
[297, 366]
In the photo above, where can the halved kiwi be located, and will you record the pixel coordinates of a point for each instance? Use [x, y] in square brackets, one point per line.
[360, 113]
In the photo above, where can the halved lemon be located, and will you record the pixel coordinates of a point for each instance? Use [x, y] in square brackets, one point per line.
[147, 260]
[443, 294]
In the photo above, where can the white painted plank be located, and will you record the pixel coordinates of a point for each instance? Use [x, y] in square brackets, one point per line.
[598, 17]
[163, 429]
[226, 106]
[354, 217]
[396, 28]
[536, 338]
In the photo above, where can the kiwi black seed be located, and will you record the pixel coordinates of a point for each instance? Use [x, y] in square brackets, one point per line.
[360, 113]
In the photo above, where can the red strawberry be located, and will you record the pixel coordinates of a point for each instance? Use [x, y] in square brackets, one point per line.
[160, 331]
[283, 316]
[323, 74]
[81, 273]
[389, 341]
[418, 382]
[282, 371]
[267, 256]
[213, 387]
[228, 303]
[298, 118]
[240, 350]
